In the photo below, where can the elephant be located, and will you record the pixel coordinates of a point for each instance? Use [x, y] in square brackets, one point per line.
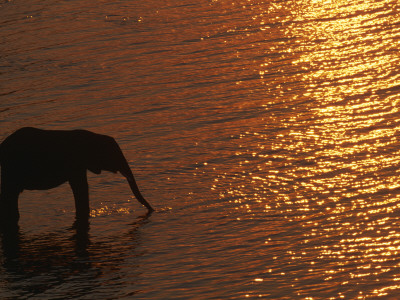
[37, 159]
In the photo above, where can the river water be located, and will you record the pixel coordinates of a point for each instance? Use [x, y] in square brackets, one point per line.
[265, 133]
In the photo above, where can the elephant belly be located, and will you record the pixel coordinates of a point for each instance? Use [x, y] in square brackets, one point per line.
[43, 178]
[42, 182]
[42, 185]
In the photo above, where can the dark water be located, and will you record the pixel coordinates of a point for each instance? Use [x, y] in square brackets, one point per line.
[264, 132]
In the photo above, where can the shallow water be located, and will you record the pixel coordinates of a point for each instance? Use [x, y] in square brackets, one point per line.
[264, 132]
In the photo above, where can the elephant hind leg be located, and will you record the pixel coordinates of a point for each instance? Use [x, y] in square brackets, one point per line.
[9, 213]
[80, 189]
[10, 190]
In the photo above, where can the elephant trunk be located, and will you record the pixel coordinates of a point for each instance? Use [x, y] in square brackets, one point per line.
[127, 173]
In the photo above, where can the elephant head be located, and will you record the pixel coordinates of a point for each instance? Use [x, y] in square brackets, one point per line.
[108, 156]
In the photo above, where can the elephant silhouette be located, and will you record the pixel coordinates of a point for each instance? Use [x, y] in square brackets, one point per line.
[36, 159]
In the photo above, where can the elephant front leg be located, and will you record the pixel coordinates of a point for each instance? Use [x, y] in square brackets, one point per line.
[80, 189]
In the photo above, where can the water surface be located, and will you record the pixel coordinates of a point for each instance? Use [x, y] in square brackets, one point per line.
[264, 132]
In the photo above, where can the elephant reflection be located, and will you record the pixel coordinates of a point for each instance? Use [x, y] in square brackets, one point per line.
[35, 159]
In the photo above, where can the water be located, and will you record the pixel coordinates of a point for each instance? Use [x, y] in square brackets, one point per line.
[264, 132]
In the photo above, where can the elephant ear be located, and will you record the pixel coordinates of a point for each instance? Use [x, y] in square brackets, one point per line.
[103, 154]
[92, 163]
[91, 150]
[94, 169]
